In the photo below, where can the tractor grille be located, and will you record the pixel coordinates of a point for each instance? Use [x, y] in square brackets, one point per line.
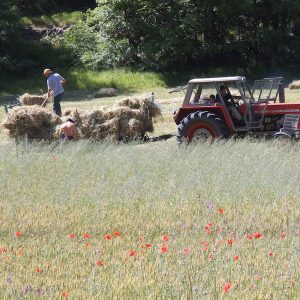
[290, 126]
[291, 122]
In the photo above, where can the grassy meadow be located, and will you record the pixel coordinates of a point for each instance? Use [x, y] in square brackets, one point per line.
[150, 221]
[89, 220]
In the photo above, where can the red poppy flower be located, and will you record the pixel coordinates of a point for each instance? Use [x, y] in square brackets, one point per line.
[248, 236]
[236, 257]
[117, 233]
[164, 249]
[39, 270]
[72, 236]
[204, 249]
[220, 211]
[298, 232]
[270, 253]
[165, 238]
[208, 230]
[230, 242]
[219, 230]
[3, 250]
[107, 236]
[87, 245]
[132, 253]
[283, 235]
[148, 246]
[100, 263]
[257, 235]
[87, 236]
[64, 294]
[18, 233]
[186, 251]
[227, 287]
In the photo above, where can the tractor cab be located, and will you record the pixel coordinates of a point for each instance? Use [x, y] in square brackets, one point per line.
[231, 98]
[230, 101]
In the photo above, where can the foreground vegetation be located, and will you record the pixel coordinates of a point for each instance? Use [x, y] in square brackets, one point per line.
[90, 220]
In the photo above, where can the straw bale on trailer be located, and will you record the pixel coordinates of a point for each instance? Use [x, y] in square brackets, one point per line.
[28, 99]
[127, 119]
[32, 122]
[294, 85]
[145, 103]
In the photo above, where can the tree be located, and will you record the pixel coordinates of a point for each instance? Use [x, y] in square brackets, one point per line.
[45, 7]
[9, 21]
[176, 34]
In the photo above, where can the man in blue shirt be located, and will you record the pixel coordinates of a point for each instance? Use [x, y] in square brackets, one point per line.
[55, 88]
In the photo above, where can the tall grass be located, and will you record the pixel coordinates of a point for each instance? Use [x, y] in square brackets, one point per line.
[146, 192]
[123, 80]
[120, 79]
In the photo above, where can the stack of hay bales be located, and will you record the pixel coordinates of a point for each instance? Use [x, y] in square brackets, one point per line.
[294, 85]
[28, 99]
[128, 119]
[32, 122]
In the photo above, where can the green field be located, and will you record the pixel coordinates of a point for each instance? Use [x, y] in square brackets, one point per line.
[164, 201]
[91, 220]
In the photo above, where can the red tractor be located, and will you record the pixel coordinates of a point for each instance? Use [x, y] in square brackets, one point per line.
[225, 106]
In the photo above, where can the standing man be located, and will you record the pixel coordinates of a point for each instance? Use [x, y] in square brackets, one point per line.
[55, 88]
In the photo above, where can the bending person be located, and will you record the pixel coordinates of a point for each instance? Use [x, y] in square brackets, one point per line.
[68, 130]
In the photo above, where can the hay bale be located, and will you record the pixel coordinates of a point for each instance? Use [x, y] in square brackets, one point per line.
[67, 112]
[28, 99]
[32, 122]
[294, 85]
[107, 130]
[146, 103]
[135, 103]
[128, 119]
[106, 92]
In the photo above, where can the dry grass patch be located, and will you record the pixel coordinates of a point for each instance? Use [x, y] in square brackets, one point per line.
[104, 221]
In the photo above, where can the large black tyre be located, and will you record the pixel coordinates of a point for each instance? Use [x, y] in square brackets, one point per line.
[201, 125]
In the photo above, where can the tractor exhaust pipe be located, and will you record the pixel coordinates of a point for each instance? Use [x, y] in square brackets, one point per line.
[281, 93]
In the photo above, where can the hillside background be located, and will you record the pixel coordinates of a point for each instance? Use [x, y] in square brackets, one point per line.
[249, 37]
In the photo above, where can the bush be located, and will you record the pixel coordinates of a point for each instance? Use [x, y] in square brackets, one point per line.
[177, 35]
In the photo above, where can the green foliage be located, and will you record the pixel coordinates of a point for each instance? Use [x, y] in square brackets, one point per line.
[179, 34]
[9, 17]
[59, 19]
[41, 7]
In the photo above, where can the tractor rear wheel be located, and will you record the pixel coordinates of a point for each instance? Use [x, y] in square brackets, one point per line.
[201, 125]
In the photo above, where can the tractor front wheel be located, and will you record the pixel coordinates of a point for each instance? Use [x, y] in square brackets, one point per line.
[199, 126]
